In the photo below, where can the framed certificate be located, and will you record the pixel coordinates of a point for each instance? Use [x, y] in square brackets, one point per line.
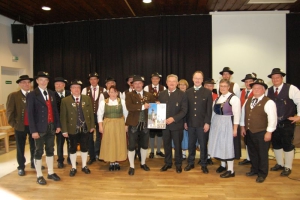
[157, 116]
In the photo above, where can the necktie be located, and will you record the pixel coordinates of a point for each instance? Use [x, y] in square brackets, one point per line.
[140, 95]
[77, 101]
[45, 93]
[154, 91]
[246, 96]
[61, 95]
[94, 96]
[254, 102]
[26, 94]
[276, 92]
[170, 93]
[196, 88]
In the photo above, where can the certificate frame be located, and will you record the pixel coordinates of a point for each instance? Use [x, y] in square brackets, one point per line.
[157, 116]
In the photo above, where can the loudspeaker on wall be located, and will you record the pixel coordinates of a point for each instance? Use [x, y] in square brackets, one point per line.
[19, 33]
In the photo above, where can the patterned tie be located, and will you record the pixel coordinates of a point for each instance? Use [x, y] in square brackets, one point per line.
[77, 101]
[61, 95]
[26, 94]
[246, 96]
[254, 102]
[94, 96]
[154, 91]
[276, 92]
[140, 95]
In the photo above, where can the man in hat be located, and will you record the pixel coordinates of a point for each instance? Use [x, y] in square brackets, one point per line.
[44, 122]
[60, 93]
[110, 81]
[77, 122]
[234, 87]
[155, 88]
[258, 121]
[17, 117]
[198, 121]
[287, 100]
[94, 91]
[176, 110]
[245, 94]
[137, 103]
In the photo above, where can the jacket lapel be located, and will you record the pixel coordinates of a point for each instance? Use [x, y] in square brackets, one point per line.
[39, 96]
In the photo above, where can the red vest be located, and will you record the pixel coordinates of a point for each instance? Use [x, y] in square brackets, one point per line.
[243, 94]
[50, 111]
[26, 123]
[214, 96]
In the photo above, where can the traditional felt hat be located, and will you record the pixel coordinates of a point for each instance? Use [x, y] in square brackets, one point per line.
[276, 71]
[138, 78]
[76, 82]
[42, 74]
[24, 77]
[249, 76]
[110, 79]
[156, 74]
[60, 79]
[260, 82]
[94, 74]
[209, 81]
[226, 69]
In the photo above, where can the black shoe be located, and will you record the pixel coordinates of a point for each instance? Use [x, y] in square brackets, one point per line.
[69, 161]
[151, 155]
[204, 169]
[209, 161]
[245, 162]
[178, 169]
[251, 173]
[286, 172]
[221, 169]
[189, 167]
[21, 172]
[91, 161]
[161, 154]
[117, 167]
[53, 177]
[227, 174]
[73, 172]
[277, 167]
[60, 165]
[145, 167]
[260, 179]
[165, 168]
[131, 171]
[86, 170]
[33, 167]
[111, 168]
[40, 180]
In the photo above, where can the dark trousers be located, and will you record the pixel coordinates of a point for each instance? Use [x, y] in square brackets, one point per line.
[258, 151]
[46, 139]
[20, 143]
[82, 139]
[138, 134]
[197, 133]
[283, 136]
[155, 132]
[94, 146]
[176, 136]
[60, 141]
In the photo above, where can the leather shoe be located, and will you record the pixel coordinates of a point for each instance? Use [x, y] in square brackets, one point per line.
[178, 169]
[33, 167]
[40, 180]
[131, 171]
[189, 167]
[145, 167]
[111, 168]
[73, 171]
[227, 174]
[221, 169]
[53, 177]
[86, 170]
[165, 168]
[21, 172]
[209, 161]
[260, 179]
[204, 169]
[277, 167]
[245, 162]
[117, 167]
[251, 173]
[60, 165]
[91, 161]
[151, 155]
[286, 172]
[161, 154]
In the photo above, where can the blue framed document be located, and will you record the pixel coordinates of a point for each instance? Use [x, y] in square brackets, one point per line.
[157, 116]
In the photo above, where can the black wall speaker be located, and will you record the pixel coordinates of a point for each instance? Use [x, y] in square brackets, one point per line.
[19, 33]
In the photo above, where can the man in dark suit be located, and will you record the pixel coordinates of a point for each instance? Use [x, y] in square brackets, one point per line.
[137, 103]
[43, 124]
[198, 121]
[176, 110]
[60, 93]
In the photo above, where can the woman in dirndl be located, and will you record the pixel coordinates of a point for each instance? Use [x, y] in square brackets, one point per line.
[112, 114]
[224, 141]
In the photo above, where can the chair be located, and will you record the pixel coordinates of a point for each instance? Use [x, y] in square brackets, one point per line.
[5, 127]
[4, 136]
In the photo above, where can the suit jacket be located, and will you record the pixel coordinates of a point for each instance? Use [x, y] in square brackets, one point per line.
[58, 99]
[199, 107]
[68, 113]
[38, 111]
[134, 106]
[15, 110]
[176, 107]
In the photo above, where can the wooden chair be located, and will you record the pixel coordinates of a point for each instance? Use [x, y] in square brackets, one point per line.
[4, 136]
[2, 107]
[5, 127]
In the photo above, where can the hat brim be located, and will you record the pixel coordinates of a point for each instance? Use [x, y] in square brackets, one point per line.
[243, 80]
[22, 79]
[270, 75]
[48, 77]
[60, 81]
[230, 72]
[263, 84]
[209, 83]
[138, 80]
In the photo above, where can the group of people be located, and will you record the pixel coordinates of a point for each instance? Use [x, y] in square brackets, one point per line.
[195, 117]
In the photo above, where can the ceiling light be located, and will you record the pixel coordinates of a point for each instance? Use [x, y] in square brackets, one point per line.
[147, 1]
[46, 8]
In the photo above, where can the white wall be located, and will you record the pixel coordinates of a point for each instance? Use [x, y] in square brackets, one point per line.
[248, 42]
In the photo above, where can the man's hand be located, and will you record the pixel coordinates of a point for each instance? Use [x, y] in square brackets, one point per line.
[234, 133]
[146, 105]
[92, 130]
[268, 136]
[243, 131]
[100, 129]
[57, 130]
[206, 127]
[170, 120]
[35, 135]
[186, 126]
[294, 119]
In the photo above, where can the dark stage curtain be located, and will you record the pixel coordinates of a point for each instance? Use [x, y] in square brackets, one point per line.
[293, 49]
[119, 47]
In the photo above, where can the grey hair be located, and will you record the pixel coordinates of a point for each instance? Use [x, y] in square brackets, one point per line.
[172, 75]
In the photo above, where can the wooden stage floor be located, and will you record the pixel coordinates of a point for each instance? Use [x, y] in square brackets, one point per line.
[103, 184]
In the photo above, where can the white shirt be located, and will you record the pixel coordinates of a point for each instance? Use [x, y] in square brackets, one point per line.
[294, 94]
[42, 91]
[101, 108]
[269, 108]
[235, 105]
[61, 93]
[146, 88]
[197, 88]
[123, 95]
[24, 92]
[236, 89]
[92, 91]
